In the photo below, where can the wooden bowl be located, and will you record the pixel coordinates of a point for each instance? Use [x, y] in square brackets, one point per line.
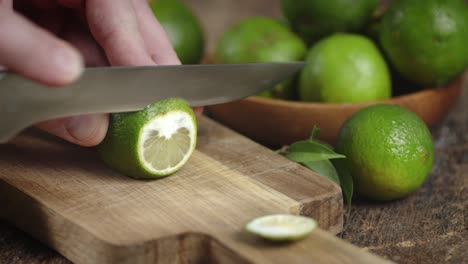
[274, 122]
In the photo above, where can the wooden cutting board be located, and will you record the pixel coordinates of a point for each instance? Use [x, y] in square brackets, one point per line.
[64, 196]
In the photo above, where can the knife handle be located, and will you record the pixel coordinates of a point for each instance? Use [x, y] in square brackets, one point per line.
[17, 112]
[24, 102]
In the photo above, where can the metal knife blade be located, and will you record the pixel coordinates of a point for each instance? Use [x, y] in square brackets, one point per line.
[122, 89]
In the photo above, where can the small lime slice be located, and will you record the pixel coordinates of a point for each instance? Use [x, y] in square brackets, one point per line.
[281, 227]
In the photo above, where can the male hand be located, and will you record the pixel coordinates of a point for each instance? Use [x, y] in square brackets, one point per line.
[50, 41]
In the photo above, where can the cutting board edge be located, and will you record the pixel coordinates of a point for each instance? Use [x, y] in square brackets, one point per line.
[303, 207]
[102, 251]
[184, 246]
[52, 227]
[307, 206]
[335, 227]
[44, 218]
[333, 195]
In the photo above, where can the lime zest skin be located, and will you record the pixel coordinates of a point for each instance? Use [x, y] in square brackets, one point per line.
[121, 149]
[345, 68]
[389, 151]
[262, 39]
[426, 40]
[183, 27]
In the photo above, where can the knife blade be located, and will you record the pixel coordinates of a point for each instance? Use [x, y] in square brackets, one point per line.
[122, 89]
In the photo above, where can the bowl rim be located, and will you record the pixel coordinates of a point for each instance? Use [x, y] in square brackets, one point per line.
[425, 92]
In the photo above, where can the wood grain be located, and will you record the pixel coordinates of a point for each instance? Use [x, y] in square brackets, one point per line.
[430, 226]
[427, 227]
[64, 196]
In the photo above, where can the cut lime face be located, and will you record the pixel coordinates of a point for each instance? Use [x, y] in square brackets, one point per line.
[281, 227]
[167, 142]
[151, 143]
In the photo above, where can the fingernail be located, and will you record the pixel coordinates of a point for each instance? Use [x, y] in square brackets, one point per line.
[166, 60]
[83, 128]
[69, 64]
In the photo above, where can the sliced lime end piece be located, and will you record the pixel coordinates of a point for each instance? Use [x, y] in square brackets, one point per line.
[167, 142]
[281, 227]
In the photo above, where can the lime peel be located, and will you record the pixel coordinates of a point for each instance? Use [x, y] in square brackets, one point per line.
[281, 227]
[151, 143]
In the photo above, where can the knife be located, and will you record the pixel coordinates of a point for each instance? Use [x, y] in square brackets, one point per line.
[122, 89]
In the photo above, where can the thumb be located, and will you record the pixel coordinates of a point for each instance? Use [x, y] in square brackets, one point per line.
[38, 55]
[85, 130]
[35, 53]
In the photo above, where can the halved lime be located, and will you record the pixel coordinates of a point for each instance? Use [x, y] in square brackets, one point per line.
[151, 143]
[281, 227]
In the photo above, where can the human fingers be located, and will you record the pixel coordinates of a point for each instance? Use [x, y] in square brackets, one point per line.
[156, 40]
[88, 130]
[77, 35]
[115, 27]
[35, 53]
[85, 130]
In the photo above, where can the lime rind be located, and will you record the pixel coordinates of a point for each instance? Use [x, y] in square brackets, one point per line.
[281, 227]
[169, 133]
[121, 149]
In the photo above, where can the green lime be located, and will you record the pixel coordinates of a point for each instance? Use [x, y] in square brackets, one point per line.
[151, 143]
[426, 40]
[344, 68]
[314, 19]
[183, 29]
[388, 150]
[281, 227]
[261, 39]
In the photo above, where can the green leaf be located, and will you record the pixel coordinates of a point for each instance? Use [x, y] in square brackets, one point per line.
[324, 168]
[309, 151]
[315, 133]
[324, 144]
[314, 138]
[346, 181]
[320, 157]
